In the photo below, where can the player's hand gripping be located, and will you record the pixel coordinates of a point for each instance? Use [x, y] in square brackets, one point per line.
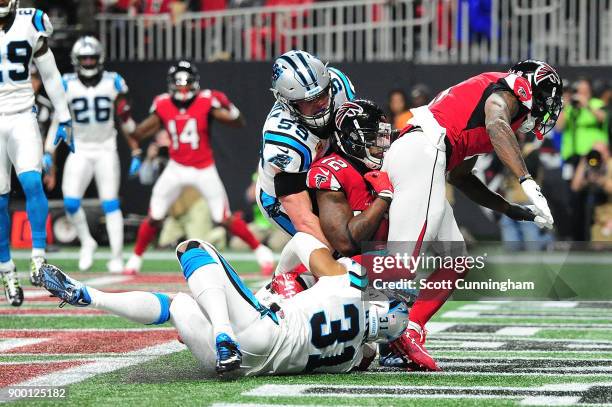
[64, 133]
[540, 207]
[379, 180]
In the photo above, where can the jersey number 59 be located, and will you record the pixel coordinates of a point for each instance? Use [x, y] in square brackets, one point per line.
[189, 135]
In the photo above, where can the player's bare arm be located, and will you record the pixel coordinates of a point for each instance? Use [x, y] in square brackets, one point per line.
[147, 128]
[229, 117]
[299, 209]
[499, 109]
[343, 230]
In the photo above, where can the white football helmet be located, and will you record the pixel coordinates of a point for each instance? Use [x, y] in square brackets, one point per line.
[299, 76]
[9, 8]
[387, 320]
[87, 46]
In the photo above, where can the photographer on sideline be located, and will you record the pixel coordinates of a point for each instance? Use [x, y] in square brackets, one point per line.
[584, 123]
[593, 183]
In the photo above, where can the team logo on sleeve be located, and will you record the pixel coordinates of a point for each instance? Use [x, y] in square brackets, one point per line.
[321, 178]
[281, 160]
[346, 111]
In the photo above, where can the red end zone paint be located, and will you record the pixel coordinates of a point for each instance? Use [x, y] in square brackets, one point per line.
[89, 341]
[14, 374]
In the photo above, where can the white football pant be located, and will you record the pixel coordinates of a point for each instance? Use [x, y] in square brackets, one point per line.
[175, 177]
[20, 145]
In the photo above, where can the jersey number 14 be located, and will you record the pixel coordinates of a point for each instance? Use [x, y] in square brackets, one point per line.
[189, 135]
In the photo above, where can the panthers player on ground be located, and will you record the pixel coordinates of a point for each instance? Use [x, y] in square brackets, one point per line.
[185, 112]
[23, 40]
[327, 329]
[296, 133]
[486, 113]
[95, 96]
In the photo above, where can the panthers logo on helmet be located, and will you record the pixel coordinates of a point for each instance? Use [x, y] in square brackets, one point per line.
[347, 110]
[277, 71]
[546, 71]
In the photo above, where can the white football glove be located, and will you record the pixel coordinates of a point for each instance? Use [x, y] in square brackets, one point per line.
[540, 207]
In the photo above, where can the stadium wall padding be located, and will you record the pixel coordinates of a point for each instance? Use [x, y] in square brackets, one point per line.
[247, 85]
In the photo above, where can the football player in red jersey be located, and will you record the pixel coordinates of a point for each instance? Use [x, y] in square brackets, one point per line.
[486, 113]
[349, 212]
[184, 112]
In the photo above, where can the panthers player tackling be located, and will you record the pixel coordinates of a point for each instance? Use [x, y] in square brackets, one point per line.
[328, 328]
[95, 96]
[487, 113]
[23, 40]
[185, 112]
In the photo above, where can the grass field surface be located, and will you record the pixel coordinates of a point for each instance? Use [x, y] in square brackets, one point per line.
[492, 352]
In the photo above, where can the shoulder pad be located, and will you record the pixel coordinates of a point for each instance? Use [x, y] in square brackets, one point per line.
[322, 178]
[521, 89]
[288, 142]
[341, 83]
[40, 20]
[118, 82]
[158, 99]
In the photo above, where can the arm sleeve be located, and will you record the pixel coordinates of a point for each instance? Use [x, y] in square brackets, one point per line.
[54, 85]
[286, 183]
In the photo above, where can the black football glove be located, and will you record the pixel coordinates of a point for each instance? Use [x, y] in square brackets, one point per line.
[520, 212]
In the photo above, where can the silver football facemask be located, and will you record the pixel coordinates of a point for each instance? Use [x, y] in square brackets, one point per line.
[9, 8]
[87, 47]
[387, 320]
[298, 76]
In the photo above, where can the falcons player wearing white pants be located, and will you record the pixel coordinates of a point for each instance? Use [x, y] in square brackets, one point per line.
[96, 96]
[327, 328]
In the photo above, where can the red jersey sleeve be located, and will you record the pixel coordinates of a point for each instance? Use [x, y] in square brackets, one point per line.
[322, 178]
[221, 98]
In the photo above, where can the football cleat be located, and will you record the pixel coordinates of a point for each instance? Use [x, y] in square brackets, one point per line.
[12, 289]
[229, 356]
[412, 345]
[35, 264]
[388, 357]
[86, 255]
[63, 287]
[133, 265]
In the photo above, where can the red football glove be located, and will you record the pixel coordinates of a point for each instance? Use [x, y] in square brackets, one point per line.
[379, 180]
[124, 110]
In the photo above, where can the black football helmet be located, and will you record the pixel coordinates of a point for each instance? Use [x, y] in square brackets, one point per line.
[547, 91]
[363, 132]
[183, 81]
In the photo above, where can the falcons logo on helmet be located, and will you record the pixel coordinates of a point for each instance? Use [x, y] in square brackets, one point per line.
[546, 71]
[347, 110]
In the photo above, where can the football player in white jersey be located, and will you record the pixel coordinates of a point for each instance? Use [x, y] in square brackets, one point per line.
[94, 96]
[296, 133]
[23, 41]
[331, 327]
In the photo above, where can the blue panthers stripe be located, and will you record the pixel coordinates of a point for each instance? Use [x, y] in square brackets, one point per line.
[347, 84]
[281, 219]
[164, 314]
[357, 281]
[245, 292]
[285, 223]
[193, 259]
[38, 21]
[118, 83]
[292, 143]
